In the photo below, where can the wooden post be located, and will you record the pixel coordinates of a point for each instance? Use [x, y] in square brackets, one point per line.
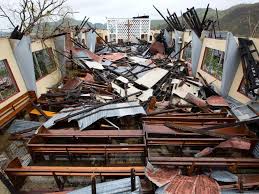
[93, 185]
[133, 180]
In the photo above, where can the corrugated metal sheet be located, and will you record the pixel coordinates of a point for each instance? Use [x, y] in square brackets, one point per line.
[256, 150]
[223, 176]
[152, 77]
[242, 112]
[160, 176]
[87, 118]
[21, 125]
[234, 142]
[62, 114]
[195, 184]
[112, 110]
[122, 186]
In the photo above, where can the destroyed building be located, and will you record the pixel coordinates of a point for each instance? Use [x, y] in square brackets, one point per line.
[130, 110]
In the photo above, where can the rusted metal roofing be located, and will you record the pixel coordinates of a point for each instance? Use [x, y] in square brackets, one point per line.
[114, 56]
[89, 78]
[161, 129]
[72, 83]
[192, 185]
[217, 101]
[157, 47]
[236, 143]
[160, 176]
[195, 100]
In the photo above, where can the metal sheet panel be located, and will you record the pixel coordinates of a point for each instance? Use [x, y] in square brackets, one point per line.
[51, 122]
[196, 51]
[231, 63]
[94, 65]
[160, 176]
[21, 125]
[192, 184]
[152, 77]
[122, 186]
[217, 101]
[23, 56]
[89, 117]
[111, 110]
[223, 176]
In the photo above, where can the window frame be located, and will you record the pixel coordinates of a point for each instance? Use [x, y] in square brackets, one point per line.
[243, 92]
[221, 59]
[5, 61]
[184, 50]
[35, 60]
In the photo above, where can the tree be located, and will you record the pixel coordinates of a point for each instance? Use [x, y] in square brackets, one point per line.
[31, 14]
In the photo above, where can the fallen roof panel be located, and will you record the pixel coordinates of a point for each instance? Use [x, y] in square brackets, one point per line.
[112, 110]
[89, 117]
[152, 77]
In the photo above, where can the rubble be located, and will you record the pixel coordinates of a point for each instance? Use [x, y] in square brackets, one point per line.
[137, 108]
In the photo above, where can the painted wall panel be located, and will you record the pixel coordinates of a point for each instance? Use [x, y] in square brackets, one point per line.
[6, 52]
[51, 79]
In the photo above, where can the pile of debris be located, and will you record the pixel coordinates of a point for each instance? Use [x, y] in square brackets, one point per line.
[135, 110]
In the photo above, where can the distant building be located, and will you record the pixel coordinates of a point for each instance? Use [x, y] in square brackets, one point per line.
[128, 29]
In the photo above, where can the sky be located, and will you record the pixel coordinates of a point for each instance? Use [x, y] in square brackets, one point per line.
[98, 10]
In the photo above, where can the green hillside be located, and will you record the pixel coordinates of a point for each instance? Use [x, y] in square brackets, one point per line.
[234, 19]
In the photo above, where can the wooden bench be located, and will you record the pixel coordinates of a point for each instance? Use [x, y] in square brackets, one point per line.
[17, 173]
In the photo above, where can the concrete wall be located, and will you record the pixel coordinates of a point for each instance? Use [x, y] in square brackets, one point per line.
[51, 79]
[6, 52]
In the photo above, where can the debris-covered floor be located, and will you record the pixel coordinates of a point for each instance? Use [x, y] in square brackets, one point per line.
[132, 118]
[122, 111]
